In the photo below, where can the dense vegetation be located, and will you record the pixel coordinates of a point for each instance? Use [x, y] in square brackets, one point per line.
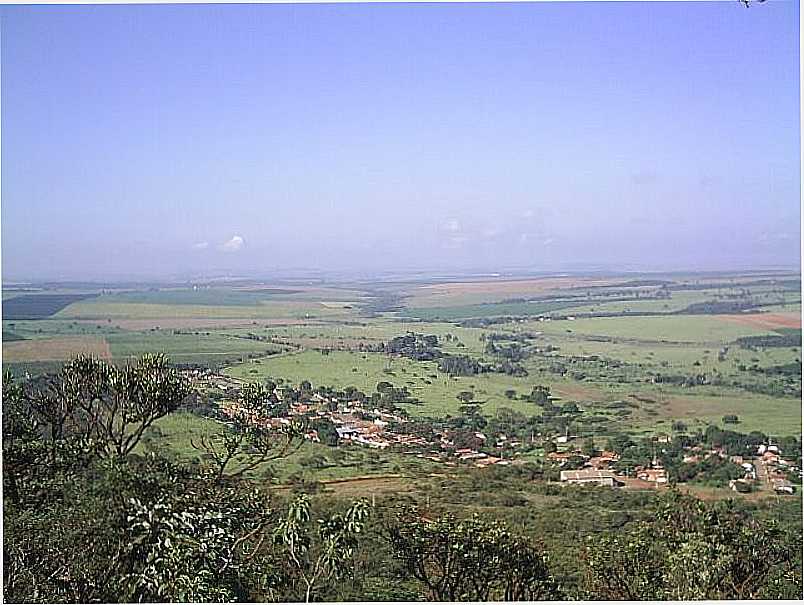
[88, 519]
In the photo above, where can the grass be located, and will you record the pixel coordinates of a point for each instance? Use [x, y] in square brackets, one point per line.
[487, 310]
[182, 346]
[175, 433]
[202, 296]
[58, 348]
[11, 337]
[365, 370]
[102, 310]
[648, 345]
[702, 329]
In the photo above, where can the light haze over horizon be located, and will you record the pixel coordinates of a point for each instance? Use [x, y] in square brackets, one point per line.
[160, 140]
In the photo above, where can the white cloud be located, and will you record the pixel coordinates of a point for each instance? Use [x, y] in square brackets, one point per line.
[233, 245]
[201, 246]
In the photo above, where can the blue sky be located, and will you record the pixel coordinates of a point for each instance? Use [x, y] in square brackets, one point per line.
[170, 140]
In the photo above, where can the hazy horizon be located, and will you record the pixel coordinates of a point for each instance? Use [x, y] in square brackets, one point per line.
[157, 141]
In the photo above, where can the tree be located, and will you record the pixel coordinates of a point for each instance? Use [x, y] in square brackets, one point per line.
[540, 395]
[248, 443]
[327, 433]
[137, 529]
[469, 559]
[510, 393]
[692, 550]
[679, 427]
[22, 448]
[195, 547]
[104, 407]
[465, 396]
[313, 556]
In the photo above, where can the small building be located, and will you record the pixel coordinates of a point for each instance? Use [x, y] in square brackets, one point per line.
[782, 486]
[770, 458]
[654, 475]
[590, 477]
[346, 432]
[562, 457]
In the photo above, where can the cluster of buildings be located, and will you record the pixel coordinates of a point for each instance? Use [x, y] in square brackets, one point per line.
[768, 467]
[353, 422]
[359, 425]
[597, 470]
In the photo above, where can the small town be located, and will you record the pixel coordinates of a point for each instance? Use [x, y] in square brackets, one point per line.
[764, 467]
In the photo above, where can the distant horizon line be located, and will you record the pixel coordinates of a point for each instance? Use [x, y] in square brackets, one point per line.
[335, 275]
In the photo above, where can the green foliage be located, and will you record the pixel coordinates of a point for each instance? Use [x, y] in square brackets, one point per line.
[327, 434]
[136, 529]
[588, 447]
[102, 407]
[540, 395]
[692, 550]
[470, 559]
[248, 443]
[317, 552]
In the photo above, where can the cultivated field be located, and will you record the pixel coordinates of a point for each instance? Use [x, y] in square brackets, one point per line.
[256, 331]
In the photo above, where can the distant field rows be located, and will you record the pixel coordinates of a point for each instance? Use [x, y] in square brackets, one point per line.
[269, 310]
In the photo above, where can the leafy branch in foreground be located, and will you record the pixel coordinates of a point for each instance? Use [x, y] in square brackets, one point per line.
[324, 554]
[248, 442]
[102, 407]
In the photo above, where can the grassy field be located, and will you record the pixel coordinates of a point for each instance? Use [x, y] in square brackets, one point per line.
[438, 396]
[677, 328]
[175, 435]
[365, 370]
[487, 310]
[102, 310]
[218, 326]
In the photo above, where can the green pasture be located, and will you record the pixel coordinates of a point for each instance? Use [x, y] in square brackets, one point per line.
[675, 328]
[666, 356]
[454, 313]
[99, 309]
[49, 328]
[175, 434]
[698, 408]
[179, 347]
[201, 296]
[364, 370]
[377, 330]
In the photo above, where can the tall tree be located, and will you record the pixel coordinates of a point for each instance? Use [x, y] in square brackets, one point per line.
[470, 559]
